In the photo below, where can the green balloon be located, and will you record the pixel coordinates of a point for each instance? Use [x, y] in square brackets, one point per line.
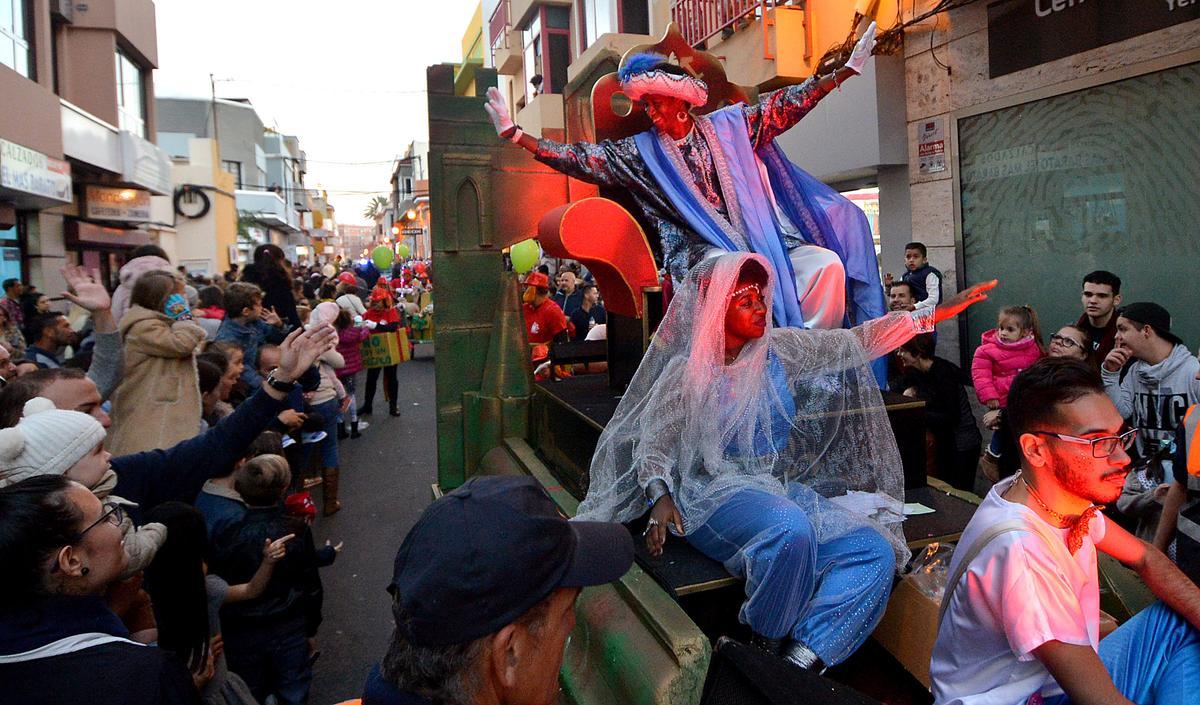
[402, 251]
[524, 255]
[382, 257]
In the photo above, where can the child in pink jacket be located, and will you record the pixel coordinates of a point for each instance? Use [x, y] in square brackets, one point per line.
[352, 331]
[1013, 345]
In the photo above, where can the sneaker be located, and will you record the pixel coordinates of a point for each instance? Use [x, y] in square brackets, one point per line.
[312, 437]
[288, 441]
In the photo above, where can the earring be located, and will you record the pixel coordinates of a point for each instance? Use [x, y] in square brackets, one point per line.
[85, 570]
[681, 116]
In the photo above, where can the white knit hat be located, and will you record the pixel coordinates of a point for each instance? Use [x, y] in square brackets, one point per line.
[47, 441]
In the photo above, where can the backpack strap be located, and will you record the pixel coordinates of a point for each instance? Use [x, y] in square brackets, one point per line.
[972, 552]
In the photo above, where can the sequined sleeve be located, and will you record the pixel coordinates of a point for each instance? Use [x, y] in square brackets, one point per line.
[588, 162]
[779, 110]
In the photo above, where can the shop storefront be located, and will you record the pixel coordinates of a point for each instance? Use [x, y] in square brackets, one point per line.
[1101, 178]
[1071, 144]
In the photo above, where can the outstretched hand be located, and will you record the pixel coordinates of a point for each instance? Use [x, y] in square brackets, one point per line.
[862, 50]
[962, 300]
[497, 110]
[301, 349]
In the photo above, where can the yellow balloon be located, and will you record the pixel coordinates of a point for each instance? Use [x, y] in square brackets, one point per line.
[525, 255]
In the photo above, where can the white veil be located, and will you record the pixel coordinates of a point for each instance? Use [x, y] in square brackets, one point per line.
[798, 413]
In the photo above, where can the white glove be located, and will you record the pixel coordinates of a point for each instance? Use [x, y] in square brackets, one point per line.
[862, 50]
[497, 110]
[370, 325]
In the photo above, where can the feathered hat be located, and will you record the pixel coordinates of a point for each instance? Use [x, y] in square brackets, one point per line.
[651, 74]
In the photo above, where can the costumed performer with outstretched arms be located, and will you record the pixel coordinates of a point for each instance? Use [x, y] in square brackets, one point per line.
[719, 183]
[736, 433]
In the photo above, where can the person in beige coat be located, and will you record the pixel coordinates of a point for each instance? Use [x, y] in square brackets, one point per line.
[158, 402]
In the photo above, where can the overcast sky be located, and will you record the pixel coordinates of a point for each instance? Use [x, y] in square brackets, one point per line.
[346, 77]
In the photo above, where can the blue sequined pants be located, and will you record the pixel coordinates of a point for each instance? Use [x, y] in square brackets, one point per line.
[829, 596]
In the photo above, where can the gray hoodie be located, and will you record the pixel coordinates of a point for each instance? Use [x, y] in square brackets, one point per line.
[1154, 398]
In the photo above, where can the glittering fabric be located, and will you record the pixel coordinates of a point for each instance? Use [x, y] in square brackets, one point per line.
[617, 164]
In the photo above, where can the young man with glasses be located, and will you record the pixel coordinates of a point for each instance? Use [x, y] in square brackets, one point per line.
[1020, 622]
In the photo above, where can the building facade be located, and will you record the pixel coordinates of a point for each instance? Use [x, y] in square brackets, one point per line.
[267, 167]
[78, 163]
[1037, 160]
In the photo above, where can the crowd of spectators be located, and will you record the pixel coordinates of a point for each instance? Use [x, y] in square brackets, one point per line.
[1150, 374]
[158, 452]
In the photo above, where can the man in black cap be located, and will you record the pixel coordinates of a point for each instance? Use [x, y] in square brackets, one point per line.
[483, 595]
[1156, 392]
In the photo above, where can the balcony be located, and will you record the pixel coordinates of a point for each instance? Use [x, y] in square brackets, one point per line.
[700, 20]
[268, 209]
[522, 11]
[505, 41]
[90, 140]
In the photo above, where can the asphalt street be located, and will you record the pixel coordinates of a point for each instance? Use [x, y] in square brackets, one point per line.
[385, 484]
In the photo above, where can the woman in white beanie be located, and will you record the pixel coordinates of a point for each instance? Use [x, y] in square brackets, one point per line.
[50, 441]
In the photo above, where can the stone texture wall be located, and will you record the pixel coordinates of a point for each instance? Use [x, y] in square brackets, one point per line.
[959, 39]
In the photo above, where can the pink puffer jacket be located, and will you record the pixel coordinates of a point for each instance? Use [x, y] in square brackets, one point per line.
[349, 344]
[997, 363]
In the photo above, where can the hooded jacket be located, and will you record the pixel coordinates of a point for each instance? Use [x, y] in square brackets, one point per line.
[158, 402]
[129, 274]
[1155, 397]
[997, 363]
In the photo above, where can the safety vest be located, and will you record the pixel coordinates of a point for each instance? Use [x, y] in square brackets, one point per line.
[1191, 423]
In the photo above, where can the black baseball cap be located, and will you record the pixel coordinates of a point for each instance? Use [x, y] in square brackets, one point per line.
[1153, 315]
[484, 554]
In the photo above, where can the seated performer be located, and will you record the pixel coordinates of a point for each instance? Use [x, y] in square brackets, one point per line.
[1020, 621]
[737, 432]
[719, 183]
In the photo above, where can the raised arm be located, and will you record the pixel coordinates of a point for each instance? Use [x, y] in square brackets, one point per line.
[85, 290]
[582, 160]
[779, 110]
[273, 552]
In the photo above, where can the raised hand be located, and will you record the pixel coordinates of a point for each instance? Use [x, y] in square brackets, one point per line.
[862, 50]
[271, 318]
[85, 290]
[301, 349]
[497, 110]
[962, 300]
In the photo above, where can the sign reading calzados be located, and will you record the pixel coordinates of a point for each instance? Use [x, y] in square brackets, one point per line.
[124, 204]
[1024, 33]
[23, 169]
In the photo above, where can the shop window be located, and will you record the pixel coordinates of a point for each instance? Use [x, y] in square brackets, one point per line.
[234, 168]
[547, 50]
[131, 95]
[10, 254]
[1103, 178]
[16, 51]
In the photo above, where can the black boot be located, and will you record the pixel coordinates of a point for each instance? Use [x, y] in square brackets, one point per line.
[365, 409]
[393, 411]
[354, 430]
[342, 433]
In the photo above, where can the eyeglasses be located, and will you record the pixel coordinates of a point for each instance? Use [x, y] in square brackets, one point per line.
[1064, 341]
[114, 514]
[1102, 447]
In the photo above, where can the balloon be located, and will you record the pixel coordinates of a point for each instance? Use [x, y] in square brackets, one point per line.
[403, 251]
[382, 257]
[524, 255]
[328, 271]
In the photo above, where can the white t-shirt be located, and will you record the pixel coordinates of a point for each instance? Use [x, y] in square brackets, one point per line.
[1023, 590]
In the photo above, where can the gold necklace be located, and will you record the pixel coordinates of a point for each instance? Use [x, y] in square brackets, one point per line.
[1062, 519]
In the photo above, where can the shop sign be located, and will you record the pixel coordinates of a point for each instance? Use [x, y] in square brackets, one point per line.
[123, 204]
[23, 169]
[1024, 33]
[931, 147]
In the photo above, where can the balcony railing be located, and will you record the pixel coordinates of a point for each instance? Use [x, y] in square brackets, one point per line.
[700, 20]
